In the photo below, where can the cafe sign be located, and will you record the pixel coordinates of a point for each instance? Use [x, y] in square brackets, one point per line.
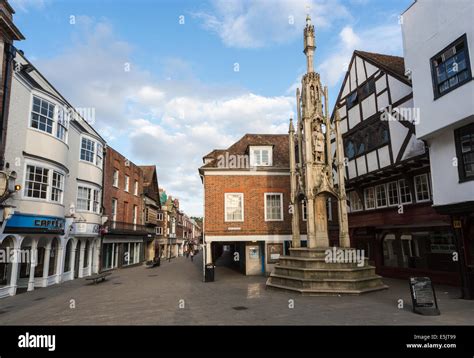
[34, 224]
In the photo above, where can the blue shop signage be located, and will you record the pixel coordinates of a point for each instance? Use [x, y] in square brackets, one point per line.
[34, 224]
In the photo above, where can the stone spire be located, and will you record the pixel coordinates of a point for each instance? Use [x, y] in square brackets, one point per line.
[309, 44]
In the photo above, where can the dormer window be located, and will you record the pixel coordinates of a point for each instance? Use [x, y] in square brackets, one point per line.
[261, 156]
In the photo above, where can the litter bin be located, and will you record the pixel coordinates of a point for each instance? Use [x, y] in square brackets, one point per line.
[158, 261]
[209, 273]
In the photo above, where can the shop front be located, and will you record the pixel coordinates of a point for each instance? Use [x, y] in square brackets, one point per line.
[82, 250]
[38, 257]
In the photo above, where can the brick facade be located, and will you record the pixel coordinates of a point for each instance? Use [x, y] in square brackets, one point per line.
[125, 200]
[253, 187]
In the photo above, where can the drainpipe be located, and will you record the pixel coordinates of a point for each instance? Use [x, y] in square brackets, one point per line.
[10, 53]
[104, 153]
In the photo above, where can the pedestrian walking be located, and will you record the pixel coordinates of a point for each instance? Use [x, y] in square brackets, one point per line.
[192, 255]
[187, 254]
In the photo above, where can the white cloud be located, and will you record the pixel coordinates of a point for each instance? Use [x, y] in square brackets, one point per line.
[385, 39]
[25, 5]
[172, 122]
[259, 23]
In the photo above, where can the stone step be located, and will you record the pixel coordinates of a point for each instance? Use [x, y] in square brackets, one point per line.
[306, 262]
[305, 252]
[323, 292]
[320, 273]
[326, 284]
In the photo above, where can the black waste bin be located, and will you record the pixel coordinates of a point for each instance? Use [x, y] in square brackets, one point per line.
[209, 273]
[158, 261]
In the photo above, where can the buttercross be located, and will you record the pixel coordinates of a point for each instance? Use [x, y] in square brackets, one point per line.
[306, 270]
[310, 147]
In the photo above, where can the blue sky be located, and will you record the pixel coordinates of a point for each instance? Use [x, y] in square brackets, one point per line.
[182, 97]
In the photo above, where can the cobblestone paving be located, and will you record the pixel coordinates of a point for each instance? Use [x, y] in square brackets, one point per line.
[153, 296]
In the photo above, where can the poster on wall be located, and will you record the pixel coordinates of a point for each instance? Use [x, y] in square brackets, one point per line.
[274, 252]
[254, 252]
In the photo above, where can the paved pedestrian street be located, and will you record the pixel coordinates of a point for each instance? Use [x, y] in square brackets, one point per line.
[174, 294]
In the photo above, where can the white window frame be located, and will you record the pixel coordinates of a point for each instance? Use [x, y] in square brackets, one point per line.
[92, 201]
[265, 206]
[60, 188]
[96, 160]
[135, 187]
[366, 190]
[225, 207]
[99, 154]
[400, 202]
[159, 216]
[427, 187]
[135, 214]
[116, 174]
[396, 191]
[350, 195]
[50, 169]
[159, 230]
[114, 209]
[127, 183]
[376, 196]
[259, 149]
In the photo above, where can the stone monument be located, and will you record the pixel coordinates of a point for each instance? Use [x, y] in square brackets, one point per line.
[319, 269]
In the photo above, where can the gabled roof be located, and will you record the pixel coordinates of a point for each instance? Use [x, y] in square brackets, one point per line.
[279, 142]
[150, 182]
[394, 65]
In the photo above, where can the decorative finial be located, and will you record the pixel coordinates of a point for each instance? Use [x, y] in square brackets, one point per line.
[292, 129]
[308, 20]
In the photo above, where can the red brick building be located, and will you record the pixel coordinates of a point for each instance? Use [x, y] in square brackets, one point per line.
[246, 194]
[126, 236]
[151, 199]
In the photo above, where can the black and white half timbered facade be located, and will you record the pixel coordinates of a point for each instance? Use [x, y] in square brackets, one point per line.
[388, 174]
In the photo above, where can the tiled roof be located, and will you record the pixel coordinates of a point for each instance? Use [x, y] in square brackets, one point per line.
[150, 188]
[278, 141]
[394, 64]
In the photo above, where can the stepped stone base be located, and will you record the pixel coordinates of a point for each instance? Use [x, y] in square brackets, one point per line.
[306, 271]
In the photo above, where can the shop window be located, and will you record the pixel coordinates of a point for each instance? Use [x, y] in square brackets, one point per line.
[53, 256]
[389, 255]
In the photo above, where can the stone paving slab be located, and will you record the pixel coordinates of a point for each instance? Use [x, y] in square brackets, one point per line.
[174, 294]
